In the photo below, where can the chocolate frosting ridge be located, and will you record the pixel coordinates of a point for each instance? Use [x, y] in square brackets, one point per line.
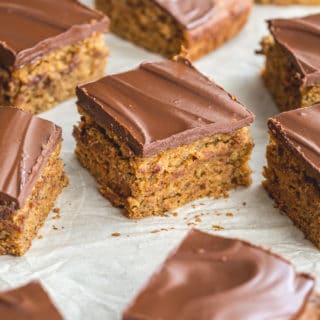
[29, 302]
[161, 106]
[26, 143]
[216, 278]
[300, 130]
[300, 38]
[190, 13]
[33, 28]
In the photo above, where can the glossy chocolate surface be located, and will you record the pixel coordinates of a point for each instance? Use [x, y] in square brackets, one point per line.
[162, 106]
[26, 143]
[300, 37]
[29, 302]
[33, 28]
[216, 278]
[300, 130]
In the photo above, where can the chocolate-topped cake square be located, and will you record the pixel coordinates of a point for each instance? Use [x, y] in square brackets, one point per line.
[31, 177]
[293, 170]
[46, 49]
[292, 70]
[216, 278]
[30, 302]
[189, 27]
[162, 135]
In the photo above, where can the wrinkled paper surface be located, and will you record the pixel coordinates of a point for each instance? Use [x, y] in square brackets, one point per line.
[91, 274]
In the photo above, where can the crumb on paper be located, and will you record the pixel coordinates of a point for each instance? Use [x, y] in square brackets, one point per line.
[197, 218]
[116, 234]
[40, 236]
[175, 214]
[244, 203]
[54, 227]
[229, 214]
[193, 206]
[217, 227]
[155, 231]
[56, 210]
[192, 224]
[57, 213]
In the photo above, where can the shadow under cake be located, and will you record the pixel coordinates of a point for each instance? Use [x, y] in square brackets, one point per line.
[172, 28]
[47, 49]
[292, 70]
[293, 168]
[162, 135]
[216, 278]
[31, 177]
[30, 302]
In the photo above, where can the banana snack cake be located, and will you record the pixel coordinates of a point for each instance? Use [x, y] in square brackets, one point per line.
[162, 135]
[46, 49]
[189, 27]
[31, 177]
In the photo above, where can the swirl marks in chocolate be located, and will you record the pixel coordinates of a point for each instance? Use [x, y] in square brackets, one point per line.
[190, 13]
[300, 37]
[26, 142]
[29, 302]
[300, 130]
[33, 28]
[161, 106]
[210, 277]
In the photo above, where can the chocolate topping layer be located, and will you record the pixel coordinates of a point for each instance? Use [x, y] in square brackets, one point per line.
[31, 29]
[190, 13]
[300, 37]
[26, 143]
[30, 302]
[300, 130]
[210, 277]
[161, 106]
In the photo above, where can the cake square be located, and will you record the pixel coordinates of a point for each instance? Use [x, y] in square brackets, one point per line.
[47, 49]
[292, 70]
[293, 167]
[31, 177]
[189, 27]
[162, 135]
[216, 278]
[30, 302]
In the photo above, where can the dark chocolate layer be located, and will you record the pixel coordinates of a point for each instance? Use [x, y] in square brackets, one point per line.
[300, 37]
[30, 302]
[26, 143]
[210, 277]
[161, 106]
[189, 13]
[300, 130]
[33, 28]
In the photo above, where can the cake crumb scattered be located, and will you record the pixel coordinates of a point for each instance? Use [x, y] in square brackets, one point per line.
[175, 214]
[197, 219]
[40, 236]
[229, 214]
[56, 210]
[54, 227]
[244, 203]
[217, 228]
[116, 234]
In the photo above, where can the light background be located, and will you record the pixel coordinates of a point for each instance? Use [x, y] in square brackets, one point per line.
[92, 275]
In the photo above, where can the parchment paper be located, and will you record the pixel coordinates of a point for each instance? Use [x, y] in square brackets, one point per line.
[91, 274]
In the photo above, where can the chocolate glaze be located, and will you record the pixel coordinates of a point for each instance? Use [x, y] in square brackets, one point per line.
[26, 143]
[300, 38]
[300, 130]
[210, 277]
[31, 29]
[161, 106]
[189, 13]
[29, 302]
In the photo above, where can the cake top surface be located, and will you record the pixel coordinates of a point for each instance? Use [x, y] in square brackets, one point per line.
[33, 28]
[26, 143]
[190, 13]
[26, 303]
[211, 277]
[300, 130]
[300, 37]
[161, 106]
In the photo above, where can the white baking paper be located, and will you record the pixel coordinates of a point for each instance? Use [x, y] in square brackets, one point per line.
[91, 274]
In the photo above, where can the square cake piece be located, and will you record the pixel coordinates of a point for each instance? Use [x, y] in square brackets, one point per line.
[47, 49]
[31, 177]
[162, 135]
[216, 278]
[30, 302]
[293, 170]
[190, 27]
[292, 70]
